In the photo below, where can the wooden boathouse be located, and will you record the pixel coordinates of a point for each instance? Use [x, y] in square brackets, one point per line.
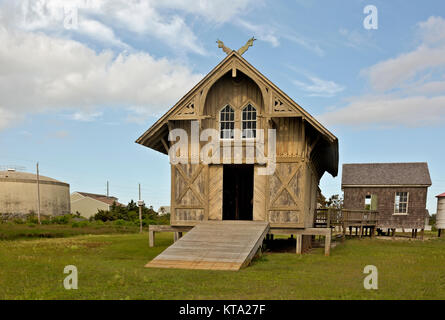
[276, 191]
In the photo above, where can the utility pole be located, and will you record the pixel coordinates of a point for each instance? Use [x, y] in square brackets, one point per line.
[140, 204]
[108, 189]
[38, 194]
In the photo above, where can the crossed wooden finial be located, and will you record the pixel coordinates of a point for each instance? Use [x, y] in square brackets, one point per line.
[241, 50]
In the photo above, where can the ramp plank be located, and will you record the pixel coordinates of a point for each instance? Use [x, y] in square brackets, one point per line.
[214, 245]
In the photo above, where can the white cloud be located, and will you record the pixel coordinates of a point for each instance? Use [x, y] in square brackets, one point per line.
[272, 35]
[263, 33]
[213, 10]
[85, 116]
[407, 90]
[432, 30]
[165, 21]
[393, 73]
[8, 118]
[356, 39]
[318, 87]
[40, 73]
[100, 32]
[305, 43]
[43, 69]
[142, 17]
[387, 110]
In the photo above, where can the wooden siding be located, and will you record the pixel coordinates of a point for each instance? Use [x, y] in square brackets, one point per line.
[285, 199]
[259, 196]
[354, 199]
[215, 192]
[291, 142]
[237, 92]
[189, 193]
[286, 195]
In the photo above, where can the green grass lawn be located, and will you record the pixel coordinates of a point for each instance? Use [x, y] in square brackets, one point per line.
[13, 231]
[112, 267]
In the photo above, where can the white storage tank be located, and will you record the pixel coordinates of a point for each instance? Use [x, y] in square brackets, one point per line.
[440, 217]
[18, 194]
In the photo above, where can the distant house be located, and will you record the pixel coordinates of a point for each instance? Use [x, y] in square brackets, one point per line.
[397, 190]
[163, 210]
[87, 204]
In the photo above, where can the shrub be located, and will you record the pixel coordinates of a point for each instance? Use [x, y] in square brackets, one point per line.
[121, 222]
[84, 223]
[80, 224]
[104, 215]
[130, 214]
[32, 218]
[65, 219]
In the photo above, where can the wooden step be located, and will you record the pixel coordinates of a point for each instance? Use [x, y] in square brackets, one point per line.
[214, 245]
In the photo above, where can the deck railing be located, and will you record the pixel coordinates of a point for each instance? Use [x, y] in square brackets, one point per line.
[345, 217]
[364, 221]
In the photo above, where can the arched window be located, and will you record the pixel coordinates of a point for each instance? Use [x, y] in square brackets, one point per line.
[249, 122]
[227, 122]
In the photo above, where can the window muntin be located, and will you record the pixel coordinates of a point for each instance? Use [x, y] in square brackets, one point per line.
[249, 122]
[401, 203]
[227, 122]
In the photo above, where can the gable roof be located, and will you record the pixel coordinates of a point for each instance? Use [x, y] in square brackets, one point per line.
[101, 197]
[386, 174]
[152, 137]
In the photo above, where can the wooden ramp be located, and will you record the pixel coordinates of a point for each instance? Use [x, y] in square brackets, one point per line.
[214, 245]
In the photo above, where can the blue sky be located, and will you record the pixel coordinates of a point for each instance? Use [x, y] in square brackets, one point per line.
[76, 93]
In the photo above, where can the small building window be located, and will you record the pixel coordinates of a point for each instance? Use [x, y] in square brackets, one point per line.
[249, 122]
[368, 203]
[227, 122]
[401, 203]
[371, 202]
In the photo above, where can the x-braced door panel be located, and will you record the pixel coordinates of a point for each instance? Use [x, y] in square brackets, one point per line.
[189, 192]
[285, 205]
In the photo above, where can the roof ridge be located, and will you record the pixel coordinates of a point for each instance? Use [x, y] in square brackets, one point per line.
[96, 194]
[367, 163]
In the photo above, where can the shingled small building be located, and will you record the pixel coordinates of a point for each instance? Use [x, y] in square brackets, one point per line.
[398, 191]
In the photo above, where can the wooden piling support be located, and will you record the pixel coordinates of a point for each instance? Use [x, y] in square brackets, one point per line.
[327, 245]
[177, 236]
[299, 243]
[151, 238]
[177, 231]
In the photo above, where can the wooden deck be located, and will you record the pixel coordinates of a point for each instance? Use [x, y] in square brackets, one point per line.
[214, 245]
[364, 221]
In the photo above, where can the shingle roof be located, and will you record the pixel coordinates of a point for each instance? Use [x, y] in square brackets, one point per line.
[101, 197]
[386, 174]
[442, 195]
